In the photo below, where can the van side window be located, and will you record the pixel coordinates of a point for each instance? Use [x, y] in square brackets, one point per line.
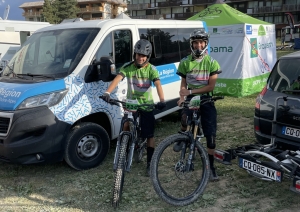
[184, 42]
[169, 45]
[118, 45]
[106, 47]
[164, 43]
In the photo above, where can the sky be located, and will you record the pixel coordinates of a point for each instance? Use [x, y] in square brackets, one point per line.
[15, 13]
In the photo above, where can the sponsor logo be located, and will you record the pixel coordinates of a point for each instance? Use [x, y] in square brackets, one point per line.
[249, 29]
[227, 31]
[239, 31]
[265, 45]
[261, 31]
[9, 93]
[253, 43]
[221, 49]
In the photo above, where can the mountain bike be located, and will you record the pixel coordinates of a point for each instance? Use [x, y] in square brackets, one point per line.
[129, 146]
[179, 178]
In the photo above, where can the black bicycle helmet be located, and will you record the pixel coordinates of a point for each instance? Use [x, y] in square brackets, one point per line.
[199, 34]
[143, 47]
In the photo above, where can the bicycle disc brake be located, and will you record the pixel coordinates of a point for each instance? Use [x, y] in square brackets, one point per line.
[181, 172]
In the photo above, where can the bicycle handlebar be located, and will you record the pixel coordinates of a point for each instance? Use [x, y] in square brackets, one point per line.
[123, 104]
[203, 101]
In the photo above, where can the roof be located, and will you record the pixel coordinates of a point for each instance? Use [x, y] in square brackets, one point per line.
[41, 3]
[110, 22]
[223, 14]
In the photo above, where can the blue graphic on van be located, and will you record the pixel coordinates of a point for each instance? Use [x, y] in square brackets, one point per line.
[167, 73]
[249, 29]
[13, 94]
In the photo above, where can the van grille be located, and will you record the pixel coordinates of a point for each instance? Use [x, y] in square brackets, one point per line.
[4, 124]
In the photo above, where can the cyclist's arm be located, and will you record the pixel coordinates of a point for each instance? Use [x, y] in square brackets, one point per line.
[114, 83]
[160, 91]
[183, 87]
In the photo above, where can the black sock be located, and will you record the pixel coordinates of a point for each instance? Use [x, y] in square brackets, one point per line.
[150, 151]
[211, 161]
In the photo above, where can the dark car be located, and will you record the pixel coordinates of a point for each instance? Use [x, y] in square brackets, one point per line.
[283, 82]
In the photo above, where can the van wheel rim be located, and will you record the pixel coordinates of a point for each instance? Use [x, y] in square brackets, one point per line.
[87, 146]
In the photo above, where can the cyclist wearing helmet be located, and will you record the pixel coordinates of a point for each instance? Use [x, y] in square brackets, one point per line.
[199, 72]
[140, 73]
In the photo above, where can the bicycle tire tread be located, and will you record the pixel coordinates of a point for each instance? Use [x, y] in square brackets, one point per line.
[119, 174]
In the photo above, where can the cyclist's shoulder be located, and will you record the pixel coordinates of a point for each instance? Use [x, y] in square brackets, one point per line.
[128, 65]
[209, 58]
[188, 58]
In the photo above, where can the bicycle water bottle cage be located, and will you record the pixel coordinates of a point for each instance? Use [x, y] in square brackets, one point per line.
[194, 103]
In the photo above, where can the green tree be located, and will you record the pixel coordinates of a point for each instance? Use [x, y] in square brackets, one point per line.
[49, 11]
[66, 9]
[55, 11]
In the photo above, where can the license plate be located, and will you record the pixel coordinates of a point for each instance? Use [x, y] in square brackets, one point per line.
[260, 169]
[291, 132]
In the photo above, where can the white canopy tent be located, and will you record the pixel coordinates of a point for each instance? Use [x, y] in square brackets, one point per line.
[244, 46]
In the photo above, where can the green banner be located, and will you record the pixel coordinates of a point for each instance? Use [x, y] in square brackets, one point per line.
[240, 87]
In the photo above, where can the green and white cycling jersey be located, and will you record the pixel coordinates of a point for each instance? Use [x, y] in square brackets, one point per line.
[197, 72]
[139, 81]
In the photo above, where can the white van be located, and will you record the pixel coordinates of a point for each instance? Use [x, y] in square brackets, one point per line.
[50, 108]
[291, 34]
[13, 34]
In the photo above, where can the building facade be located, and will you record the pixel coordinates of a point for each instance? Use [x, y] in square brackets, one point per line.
[88, 9]
[272, 11]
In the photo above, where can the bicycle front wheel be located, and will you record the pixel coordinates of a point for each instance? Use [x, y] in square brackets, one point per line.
[172, 180]
[119, 174]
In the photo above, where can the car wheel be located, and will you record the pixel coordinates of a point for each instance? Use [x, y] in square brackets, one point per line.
[87, 146]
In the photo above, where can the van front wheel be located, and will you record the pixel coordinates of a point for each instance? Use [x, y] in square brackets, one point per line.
[87, 146]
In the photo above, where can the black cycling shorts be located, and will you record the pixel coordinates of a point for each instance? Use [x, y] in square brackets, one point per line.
[147, 123]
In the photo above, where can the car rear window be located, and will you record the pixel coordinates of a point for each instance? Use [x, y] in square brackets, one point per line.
[285, 76]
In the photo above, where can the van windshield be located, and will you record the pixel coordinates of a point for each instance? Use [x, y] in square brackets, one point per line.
[51, 53]
[285, 76]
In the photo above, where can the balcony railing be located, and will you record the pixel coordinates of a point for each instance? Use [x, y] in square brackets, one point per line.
[169, 3]
[91, 9]
[203, 1]
[154, 17]
[275, 9]
[32, 14]
[138, 6]
[184, 16]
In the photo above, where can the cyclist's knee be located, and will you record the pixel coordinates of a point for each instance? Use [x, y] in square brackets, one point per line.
[184, 121]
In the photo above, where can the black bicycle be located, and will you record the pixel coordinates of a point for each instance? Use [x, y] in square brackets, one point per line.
[179, 178]
[129, 146]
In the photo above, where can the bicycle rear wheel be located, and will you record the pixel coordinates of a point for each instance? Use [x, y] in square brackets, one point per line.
[172, 182]
[119, 173]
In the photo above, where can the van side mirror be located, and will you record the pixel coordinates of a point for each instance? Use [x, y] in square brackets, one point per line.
[101, 70]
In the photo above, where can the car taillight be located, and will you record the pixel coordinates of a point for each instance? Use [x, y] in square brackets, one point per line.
[256, 128]
[259, 97]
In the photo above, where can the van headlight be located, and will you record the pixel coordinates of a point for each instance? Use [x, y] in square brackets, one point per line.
[49, 99]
